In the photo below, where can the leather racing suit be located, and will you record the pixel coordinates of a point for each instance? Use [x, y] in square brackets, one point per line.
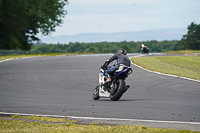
[121, 59]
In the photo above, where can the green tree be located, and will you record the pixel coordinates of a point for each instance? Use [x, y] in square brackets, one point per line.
[22, 20]
[192, 39]
[125, 46]
[105, 47]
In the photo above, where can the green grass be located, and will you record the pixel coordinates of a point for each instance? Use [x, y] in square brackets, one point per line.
[45, 118]
[18, 126]
[184, 66]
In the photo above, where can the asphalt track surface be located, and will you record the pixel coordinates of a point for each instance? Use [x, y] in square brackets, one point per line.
[64, 85]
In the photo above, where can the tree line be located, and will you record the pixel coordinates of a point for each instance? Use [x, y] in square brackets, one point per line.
[105, 47]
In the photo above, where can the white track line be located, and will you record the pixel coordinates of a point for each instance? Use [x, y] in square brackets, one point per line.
[161, 73]
[7, 60]
[16, 59]
[107, 119]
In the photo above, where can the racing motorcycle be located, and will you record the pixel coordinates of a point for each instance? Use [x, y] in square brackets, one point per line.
[145, 49]
[115, 88]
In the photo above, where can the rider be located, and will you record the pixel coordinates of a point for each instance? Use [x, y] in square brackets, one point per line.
[142, 46]
[121, 58]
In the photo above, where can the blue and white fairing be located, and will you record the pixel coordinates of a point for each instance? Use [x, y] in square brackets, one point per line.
[122, 72]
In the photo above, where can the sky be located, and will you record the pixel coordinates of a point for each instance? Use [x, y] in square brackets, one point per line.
[112, 16]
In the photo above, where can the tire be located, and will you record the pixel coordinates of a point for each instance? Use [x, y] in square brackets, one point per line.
[119, 90]
[147, 51]
[96, 93]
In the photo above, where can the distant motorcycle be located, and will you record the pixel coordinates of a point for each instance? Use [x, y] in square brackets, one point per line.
[116, 87]
[145, 49]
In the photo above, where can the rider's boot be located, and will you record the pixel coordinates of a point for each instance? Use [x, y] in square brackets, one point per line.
[127, 87]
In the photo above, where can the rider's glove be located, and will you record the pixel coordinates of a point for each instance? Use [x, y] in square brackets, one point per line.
[105, 65]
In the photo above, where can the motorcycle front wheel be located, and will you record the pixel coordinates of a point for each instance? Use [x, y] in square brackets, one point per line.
[96, 93]
[118, 90]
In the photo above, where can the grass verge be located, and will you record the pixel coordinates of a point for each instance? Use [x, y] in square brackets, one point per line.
[24, 126]
[45, 119]
[183, 66]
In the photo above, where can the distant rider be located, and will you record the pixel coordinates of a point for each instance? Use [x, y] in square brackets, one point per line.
[142, 46]
[121, 59]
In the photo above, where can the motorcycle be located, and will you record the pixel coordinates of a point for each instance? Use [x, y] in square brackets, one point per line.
[115, 88]
[145, 49]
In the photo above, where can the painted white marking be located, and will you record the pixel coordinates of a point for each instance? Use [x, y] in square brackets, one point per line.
[6, 60]
[14, 59]
[161, 73]
[107, 119]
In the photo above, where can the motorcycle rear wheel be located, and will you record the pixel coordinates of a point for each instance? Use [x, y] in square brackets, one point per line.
[119, 89]
[96, 93]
